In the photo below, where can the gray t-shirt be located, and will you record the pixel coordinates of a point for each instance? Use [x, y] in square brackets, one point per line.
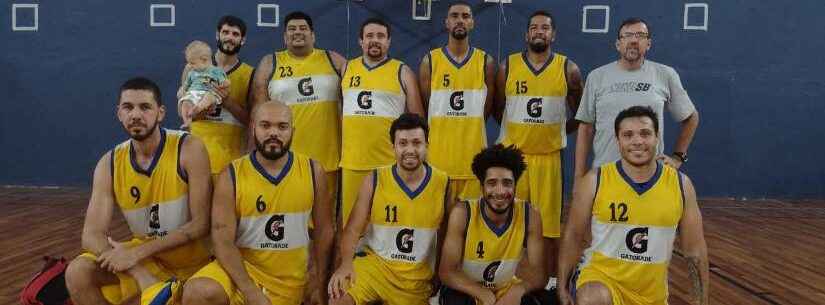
[610, 89]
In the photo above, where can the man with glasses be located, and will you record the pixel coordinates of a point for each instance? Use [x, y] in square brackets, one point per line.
[631, 81]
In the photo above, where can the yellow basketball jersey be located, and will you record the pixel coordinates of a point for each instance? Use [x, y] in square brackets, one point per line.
[273, 213]
[155, 200]
[373, 98]
[222, 134]
[404, 223]
[633, 228]
[456, 111]
[492, 254]
[311, 88]
[536, 112]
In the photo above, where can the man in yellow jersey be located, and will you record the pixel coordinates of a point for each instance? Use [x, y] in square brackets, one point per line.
[308, 80]
[160, 181]
[537, 87]
[486, 237]
[223, 128]
[376, 90]
[634, 207]
[262, 205]
[400, 208]
[457, 83]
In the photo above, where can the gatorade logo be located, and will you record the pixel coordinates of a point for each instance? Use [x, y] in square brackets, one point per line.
[275, 227]
[364, 99]
[457, 100]
[490, 272]
[534, 107]
[305, 86]
[404, 240]
[636, 240]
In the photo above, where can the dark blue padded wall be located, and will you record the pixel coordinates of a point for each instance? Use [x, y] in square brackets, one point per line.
[754, 75]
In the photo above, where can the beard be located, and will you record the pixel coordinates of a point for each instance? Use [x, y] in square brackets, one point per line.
[374, 51]
[138, 136]
[275, 153]
[500, 211]
[411, 167]
[226, 51]
[459, 35]
[538, 46]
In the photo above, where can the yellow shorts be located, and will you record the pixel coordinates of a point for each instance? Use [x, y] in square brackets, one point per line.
[284, 296]
[223, 142]
[465, 189]
[351, 181]
[589, 275]
[374, 282]
[541, 184]
[128, 287]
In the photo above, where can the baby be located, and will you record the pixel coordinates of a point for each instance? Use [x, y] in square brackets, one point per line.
[197, 91]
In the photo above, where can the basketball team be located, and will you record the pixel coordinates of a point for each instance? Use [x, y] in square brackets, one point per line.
[315, 179]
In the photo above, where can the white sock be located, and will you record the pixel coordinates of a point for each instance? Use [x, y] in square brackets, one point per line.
[551, 283]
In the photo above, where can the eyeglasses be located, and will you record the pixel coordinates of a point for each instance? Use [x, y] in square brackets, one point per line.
[640, 35]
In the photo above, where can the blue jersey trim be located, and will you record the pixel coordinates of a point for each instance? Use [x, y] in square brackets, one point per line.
[277, 179]
[492, 226]
[543, 66]
[158, 152]
[458, 65]
[643, 187]
[413, 193]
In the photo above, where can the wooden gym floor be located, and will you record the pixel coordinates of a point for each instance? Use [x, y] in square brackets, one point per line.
[761, 252]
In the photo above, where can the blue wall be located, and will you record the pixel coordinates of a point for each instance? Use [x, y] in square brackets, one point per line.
[755, 76]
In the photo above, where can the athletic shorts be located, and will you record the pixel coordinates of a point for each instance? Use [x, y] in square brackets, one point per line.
[274, 292]
[450, 296]
[351, 181]
[375, 282]
[465, 189]
[619, 294]
[128, 287]
[541, 184]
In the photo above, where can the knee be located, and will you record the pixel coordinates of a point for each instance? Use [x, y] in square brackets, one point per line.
[203, 291]
[79, 274]
[593, 294]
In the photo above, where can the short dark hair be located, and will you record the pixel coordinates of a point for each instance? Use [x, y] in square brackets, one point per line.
[408, 121]
[508, 157]
[141, 83]
[232, 21]
[298, 15]
[635, 112]
[460, 2]
[632, 21]
[374, 20]
[545, 14]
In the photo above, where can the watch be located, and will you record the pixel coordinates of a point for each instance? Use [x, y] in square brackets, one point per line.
[681, 156]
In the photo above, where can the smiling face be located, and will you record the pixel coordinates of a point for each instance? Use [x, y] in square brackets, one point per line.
[298, 35]
[637, 140]
[498, 189]
[540, 33]
[375, 41]
[410, 148]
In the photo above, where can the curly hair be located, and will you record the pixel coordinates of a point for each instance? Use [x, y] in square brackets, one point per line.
[508, 157]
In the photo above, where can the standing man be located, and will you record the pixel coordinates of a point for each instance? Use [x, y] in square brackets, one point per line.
[538, 88]
[262, 205]
[377, 90]
[486, 237]
[631, 80]
[160, 181]
[400, 209]
[308, 80]
[634, 207]
[457, 82]
[223, 128]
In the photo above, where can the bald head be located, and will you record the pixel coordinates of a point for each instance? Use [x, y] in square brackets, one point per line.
[272, 129]
[270, 109]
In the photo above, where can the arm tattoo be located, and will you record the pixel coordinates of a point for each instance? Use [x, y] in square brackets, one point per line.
[693, 264]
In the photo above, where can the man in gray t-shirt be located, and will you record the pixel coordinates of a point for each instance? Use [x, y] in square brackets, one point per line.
[631, 81]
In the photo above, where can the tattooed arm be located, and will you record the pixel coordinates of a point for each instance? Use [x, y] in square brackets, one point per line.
[692, 241]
